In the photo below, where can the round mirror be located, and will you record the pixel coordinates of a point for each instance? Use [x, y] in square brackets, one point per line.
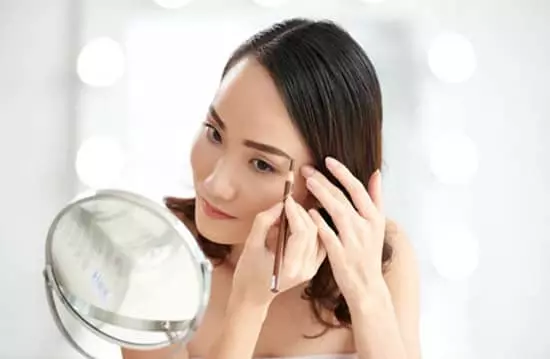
[126, 269]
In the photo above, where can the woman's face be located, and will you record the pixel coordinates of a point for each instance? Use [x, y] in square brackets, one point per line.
[241, 157]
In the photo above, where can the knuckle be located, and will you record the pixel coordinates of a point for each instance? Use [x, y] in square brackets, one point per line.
[339, 211]
[301, 233]
[364, 226]
[262, 220]
[377, 220]
[356, 186]
[292, 271]
[313, 231]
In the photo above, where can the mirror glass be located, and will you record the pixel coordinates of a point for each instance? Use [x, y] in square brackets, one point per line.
[127, 269]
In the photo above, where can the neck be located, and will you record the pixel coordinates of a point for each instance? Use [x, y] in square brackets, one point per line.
[234, 255]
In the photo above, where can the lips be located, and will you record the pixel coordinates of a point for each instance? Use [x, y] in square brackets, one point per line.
[213, 212]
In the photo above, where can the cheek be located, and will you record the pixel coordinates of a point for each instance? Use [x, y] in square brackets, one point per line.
[262, 193]
[201, 159]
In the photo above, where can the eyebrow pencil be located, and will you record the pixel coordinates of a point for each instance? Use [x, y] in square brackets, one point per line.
[282, 236]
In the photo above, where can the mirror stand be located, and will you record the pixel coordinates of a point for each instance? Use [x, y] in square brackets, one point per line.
[130, 220]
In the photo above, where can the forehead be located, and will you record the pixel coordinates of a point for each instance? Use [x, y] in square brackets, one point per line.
[251, 107]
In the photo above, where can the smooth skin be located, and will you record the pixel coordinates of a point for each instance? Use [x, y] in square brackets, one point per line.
[244, 319]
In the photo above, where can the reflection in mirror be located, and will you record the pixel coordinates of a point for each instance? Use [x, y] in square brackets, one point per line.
[126, 269]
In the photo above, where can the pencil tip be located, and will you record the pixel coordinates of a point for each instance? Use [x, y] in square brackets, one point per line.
[274, 284]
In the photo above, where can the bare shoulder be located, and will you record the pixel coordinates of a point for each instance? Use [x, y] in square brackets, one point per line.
[403, 252]
[403, 282]
[402, 272]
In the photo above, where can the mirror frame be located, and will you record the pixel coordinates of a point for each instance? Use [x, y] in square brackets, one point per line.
[202, 265]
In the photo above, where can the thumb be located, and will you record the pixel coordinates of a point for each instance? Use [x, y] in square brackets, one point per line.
[262, 223]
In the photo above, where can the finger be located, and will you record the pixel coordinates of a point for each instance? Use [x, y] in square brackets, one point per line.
[320, 256]
[355, 188]
[308, 221]
[295, 220]
[262, 223]
[331, 243]
[296, 244]
[340, 214]
[375, 190]
[310, 172]
[319, 253]
[310, 233]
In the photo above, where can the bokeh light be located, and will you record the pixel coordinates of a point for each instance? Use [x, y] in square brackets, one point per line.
[100, 162]
[455, 254]
[101, 62]
[454, 158]
[451, 58]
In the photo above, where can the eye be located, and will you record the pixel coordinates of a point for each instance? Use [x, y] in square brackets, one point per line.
[262, 166]
[213, 134]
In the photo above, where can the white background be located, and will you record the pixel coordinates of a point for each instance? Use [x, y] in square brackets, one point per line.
[497, 311]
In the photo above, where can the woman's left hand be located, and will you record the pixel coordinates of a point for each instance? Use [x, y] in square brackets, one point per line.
[355, 253]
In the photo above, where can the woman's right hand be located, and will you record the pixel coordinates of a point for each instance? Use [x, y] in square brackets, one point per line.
[303, 255]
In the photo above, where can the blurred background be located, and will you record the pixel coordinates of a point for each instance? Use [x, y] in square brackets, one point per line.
[110, 93]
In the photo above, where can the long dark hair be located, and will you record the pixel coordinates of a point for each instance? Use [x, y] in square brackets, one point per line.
[331, 91]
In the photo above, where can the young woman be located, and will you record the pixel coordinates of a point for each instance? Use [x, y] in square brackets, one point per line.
[301, 90]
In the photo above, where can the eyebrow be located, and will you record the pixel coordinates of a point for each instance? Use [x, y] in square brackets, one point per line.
[266, 148]
[216, 117]
[248, 143]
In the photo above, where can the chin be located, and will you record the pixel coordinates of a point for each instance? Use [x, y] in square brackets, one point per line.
[218, 232]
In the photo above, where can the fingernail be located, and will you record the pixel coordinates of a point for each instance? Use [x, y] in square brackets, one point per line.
[307, 171]
[331, 162]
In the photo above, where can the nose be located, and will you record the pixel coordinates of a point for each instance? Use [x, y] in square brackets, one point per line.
[219, 184]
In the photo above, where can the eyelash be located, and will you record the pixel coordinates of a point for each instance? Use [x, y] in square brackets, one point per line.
[269, 169]
[212, 132]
